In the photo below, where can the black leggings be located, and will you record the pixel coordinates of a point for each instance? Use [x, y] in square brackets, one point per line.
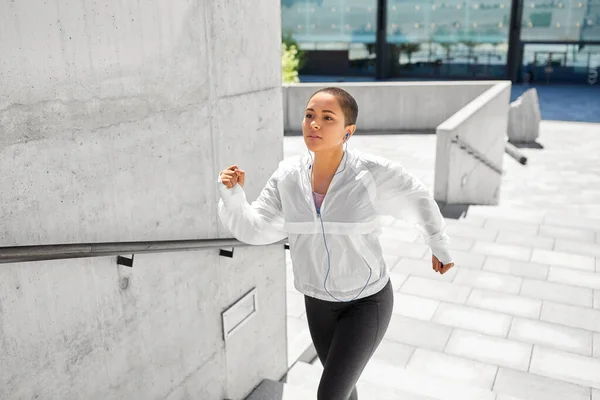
[345, 335]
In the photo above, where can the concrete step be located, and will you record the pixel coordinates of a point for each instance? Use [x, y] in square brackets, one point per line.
[273, 390]
[383, 381]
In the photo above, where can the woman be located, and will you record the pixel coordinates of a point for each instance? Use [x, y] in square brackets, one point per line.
[329, 208]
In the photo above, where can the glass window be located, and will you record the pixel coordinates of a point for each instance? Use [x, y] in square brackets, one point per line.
[337, 36]
[448, 38]
[552, 63]
[561, 20]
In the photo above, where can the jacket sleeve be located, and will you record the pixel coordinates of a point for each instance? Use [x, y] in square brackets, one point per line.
[403, 196]
[258, 223]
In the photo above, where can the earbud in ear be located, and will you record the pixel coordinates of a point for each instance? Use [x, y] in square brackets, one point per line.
[347, 135]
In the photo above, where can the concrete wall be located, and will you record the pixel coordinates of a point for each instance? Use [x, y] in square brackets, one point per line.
[480, 127]
[390, 106]
[115, 118]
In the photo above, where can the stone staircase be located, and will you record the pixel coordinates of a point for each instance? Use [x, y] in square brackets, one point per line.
[518, 318]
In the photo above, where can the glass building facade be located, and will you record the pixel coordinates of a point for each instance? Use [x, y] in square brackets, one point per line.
[552, 40]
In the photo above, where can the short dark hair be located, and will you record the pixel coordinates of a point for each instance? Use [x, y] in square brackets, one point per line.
[347, 103]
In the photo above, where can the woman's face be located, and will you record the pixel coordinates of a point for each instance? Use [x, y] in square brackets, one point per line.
[323, 126]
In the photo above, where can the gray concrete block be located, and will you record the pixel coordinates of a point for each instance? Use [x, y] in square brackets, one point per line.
[418, 333]
[461, 370]
[502, 250]
[488, 280]
[489, 349]
[473, 319]
[562, 259]
[524, 118]
[574, 368]
[414, 306]
[557, 292]
[534, 387]
[574, 277]
[295, 304]
[516, 268]
[597, 299]
[435, 289]
[551, 335]
[505, 303]
[236, 67]
[596, 345]
[576, 317]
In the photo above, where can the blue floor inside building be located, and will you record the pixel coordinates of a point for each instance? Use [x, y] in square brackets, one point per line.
[560, 102]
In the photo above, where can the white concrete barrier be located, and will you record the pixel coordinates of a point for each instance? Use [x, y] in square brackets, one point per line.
[470, 150]
[524, 118]
[389, 106]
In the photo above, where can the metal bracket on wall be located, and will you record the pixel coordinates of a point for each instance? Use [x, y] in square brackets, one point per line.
[127, 262]
[286, 246]
[226, 253]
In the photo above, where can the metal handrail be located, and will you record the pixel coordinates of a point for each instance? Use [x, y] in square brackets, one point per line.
[18, 254]
[476, 154]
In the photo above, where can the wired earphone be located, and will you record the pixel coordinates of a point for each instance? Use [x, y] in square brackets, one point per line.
[323, 226]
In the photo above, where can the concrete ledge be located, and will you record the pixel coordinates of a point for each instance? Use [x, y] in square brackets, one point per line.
[470, 149]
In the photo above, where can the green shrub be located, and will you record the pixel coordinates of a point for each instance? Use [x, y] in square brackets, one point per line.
[289, 63]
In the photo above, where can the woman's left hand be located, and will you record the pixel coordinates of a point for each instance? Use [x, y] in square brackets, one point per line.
[439, 267]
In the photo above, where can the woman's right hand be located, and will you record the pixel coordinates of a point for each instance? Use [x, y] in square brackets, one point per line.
[231, 176]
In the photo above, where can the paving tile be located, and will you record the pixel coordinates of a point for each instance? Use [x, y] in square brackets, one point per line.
[434, 289]
[524, 240]
[596, 349]
[577, 317]
[597, 299]
[574, 277]
[507, 397]
[508, 213]
[460, 243]
[489, 349]
[397, 279]
[417, 333]
[557, 292]
[566, 233]
[565, 366]
[563, 259]
[470, 220]
[578, 247]
[505, 303]
[552, 335]
[512, 225]
[488, 280]
[423, 269]
[560, 219]
[405, 235]
[403, 249]
[415, 306]
[471, 232]
[391, 261]
[473, 319]
[534, 387]
[393, 353]
[502, 250]
[595, 394]
[295, 304]
[461, 370]
[517, 268]
[467, 259]
[298, 338]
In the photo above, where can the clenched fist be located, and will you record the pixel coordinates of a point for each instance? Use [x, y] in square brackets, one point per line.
[231, 176]
[439, 267]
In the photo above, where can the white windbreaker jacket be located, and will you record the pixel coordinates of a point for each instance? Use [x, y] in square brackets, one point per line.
[348, 254]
